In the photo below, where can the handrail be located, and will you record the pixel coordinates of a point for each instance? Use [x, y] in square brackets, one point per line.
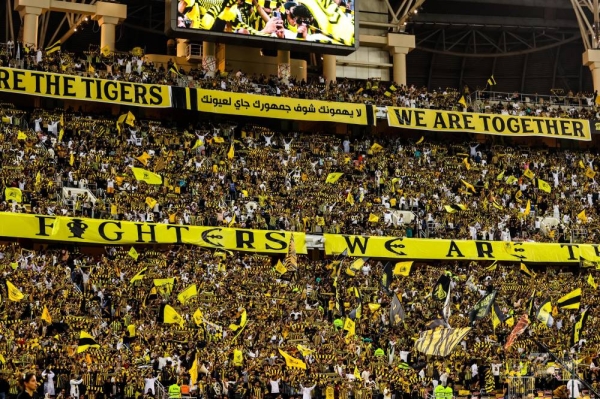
[527, 98]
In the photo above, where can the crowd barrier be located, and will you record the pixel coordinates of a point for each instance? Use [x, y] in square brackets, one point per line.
[116, 232]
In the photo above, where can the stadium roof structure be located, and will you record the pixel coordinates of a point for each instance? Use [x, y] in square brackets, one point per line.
[530, 46]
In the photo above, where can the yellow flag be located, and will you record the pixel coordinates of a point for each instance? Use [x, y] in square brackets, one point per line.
[14, 265]
[333, 177]
[350, 198]
[591, 282]
[151, 202]
[376, 147]
[581, 216]
[46, 315]
[187, 294]
[374, 307]
[304, 350]
[71, 159]
[38, 178]
[357, 374]
[61, 134]
[105, 51]
[14, 294]
[14, 194]
[130, 119]
[373, 218]
[291, 361]
[139, 276]
[529, 174]
[165, 285]
[198, 317]
[21, 136]
[193, 371]
[280, 268]
[133, 253]
[170, 316]
[218, 140]
[467, 164]
[146, 176]
[238, 358]
[544, 186]
[144, 158]
[590, 173]
[527, 208]
[231, 152]
[350, 326]
[468, 185]
[421, 140]
[402, 268]
[199, 143]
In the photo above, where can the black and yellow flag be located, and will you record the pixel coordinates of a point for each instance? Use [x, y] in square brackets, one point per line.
[525, 270]
[386, 277]
[497, 316]
[396, 311]
[570, 301]
[441, 288]
[53, 48]
[14, 294]
[291, 361]
[291, 259]
[402, 268]
[86, 341]
[441, 341]
[491, 82]
[544, 314]
[542, 185]
[168, 315]
[578, 327]
[190, 292]
[241, 322]
[482, 308]
[139, 275]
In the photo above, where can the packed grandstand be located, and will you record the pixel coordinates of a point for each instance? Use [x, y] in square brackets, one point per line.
[231, 320]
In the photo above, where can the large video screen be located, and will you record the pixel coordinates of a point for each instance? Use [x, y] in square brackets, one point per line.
[294, 23]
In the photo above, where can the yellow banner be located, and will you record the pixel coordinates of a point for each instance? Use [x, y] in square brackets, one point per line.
[72, 87]
[506, 125]
[115, 232]
[222, 102]
[427, 249]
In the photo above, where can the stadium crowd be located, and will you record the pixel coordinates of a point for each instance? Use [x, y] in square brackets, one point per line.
[245, 312]
[136, 68]
[232, 338]
[287, 181]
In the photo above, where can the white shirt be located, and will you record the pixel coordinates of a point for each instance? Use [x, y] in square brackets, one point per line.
[474, 370]
[306, 391]
[573, 387]
[274, 386]
[149, 384]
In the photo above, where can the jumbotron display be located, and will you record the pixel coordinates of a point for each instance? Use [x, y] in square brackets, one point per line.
[270, 23]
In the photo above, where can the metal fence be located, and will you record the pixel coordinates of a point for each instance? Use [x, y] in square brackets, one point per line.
[520, 387]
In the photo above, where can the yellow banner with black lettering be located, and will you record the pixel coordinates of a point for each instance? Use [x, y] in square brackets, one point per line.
[114, 232]
[223, 102]
[427, 249]
[73, 87]
[506, 125]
